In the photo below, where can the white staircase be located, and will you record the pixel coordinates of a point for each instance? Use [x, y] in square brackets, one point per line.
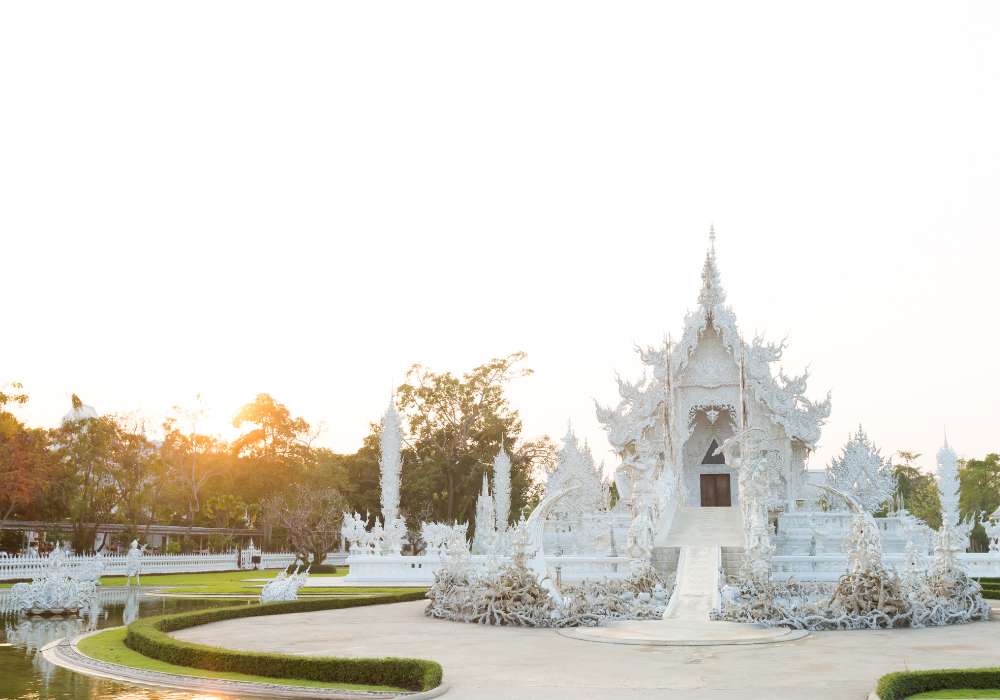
[700, 534]
[697, 588]
[705, 527]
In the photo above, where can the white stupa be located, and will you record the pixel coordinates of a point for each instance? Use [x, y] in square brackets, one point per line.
[79, 412]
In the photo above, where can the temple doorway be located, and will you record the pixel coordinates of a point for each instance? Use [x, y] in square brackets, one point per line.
[715, 491]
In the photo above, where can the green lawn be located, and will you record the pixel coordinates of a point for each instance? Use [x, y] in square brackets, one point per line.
[110, 646]
[239, 583]
[969, 693]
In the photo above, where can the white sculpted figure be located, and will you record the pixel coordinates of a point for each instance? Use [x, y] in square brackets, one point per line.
[283, 587]
[59, 587]
[133, 563]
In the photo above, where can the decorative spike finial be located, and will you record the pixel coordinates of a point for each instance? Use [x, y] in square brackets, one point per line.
[712, 292]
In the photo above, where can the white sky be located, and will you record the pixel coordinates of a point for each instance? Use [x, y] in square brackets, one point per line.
[305, 198]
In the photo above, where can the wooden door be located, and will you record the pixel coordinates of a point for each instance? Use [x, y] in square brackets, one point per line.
[715, 491]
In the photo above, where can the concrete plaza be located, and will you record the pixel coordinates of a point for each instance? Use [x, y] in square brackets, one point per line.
[501, 662]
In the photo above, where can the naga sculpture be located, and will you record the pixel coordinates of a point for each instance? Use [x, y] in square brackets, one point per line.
[284, 587]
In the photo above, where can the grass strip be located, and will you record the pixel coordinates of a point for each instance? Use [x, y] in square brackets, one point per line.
[110, 646]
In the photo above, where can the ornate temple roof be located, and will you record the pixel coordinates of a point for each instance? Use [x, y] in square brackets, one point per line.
[783, 396]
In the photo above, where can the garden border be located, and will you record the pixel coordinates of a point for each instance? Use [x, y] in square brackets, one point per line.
[149, 636]
[902, 684]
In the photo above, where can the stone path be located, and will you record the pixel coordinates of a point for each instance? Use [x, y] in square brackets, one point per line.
[501, 663]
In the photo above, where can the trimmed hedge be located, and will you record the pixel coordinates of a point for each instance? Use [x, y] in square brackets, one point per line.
[149, 636]
[320, 569]
[896, 686]
[991, 587]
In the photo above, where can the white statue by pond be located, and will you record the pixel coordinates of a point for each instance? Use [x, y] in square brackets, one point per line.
[284, 587]
[59, 588]
[133, 563]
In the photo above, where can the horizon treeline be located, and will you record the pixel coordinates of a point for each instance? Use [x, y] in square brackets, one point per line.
[96, 470]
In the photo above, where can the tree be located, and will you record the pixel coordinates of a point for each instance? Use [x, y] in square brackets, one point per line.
[133, 470]
[456, 426]
[917, 491]
[275, 450]
[83, 490]
[25, 464]
[274, 434]
[979, 494]
[192, 458]
[227, 511]
[311, 518]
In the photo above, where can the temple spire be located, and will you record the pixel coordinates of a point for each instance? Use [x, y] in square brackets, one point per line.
[712, 292]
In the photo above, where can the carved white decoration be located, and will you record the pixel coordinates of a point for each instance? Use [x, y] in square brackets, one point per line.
[485, 539]
[59, 588]
[948, 485]
[515, 594]
[861, 471]
[867, 597]
[390, 470]
[441, 537]
[284, 587]
[501, 489]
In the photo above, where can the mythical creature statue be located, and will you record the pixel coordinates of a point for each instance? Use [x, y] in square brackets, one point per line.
[60, 587]
[284, 587]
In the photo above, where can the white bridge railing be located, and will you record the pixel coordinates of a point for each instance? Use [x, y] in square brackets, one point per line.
[114, 564]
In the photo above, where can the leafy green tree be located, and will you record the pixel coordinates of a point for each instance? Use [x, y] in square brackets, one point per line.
[355, 476]
[917, 491]
[226, 510]
[275, 449]
[83, 490]
[134, 473]
[456, 426]
[979, 494]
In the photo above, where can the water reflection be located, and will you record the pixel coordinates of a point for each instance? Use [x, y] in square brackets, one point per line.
[26, 675]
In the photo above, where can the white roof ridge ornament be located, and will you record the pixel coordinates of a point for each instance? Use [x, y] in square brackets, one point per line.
[712, 294]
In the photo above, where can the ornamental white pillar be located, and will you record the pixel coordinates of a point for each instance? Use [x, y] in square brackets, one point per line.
[948, 485]
[390, 444]
[501, 489]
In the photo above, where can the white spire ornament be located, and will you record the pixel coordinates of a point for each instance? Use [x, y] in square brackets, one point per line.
[948, 484]
[390, 468]
[712, 294]
[861, 472]
[501, 489]
[484, 540]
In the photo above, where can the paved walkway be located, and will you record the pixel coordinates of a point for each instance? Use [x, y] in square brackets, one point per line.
[494, 663]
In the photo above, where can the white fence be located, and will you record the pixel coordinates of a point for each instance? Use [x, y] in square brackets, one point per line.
[114, 565]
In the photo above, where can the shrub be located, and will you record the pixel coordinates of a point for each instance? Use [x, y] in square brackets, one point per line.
[320, 569]
[149, 637]
[896, 686]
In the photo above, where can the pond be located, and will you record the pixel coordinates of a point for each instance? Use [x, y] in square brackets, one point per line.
[25, 675]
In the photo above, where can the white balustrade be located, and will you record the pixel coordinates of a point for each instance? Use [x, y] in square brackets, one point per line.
[366, 569]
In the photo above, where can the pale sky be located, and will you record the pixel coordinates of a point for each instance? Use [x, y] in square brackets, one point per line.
[305, 198]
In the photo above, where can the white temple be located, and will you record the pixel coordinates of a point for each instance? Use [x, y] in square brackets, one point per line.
[712, 444]
[669, 426]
